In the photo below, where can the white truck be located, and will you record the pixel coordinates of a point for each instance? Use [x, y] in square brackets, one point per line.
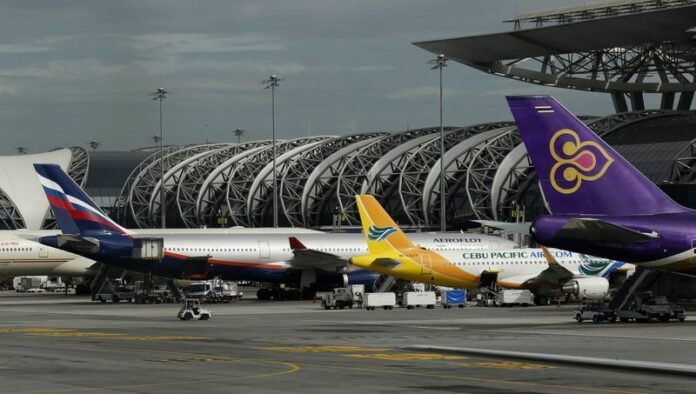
[510, 297]
[386, 301]
[414, 299]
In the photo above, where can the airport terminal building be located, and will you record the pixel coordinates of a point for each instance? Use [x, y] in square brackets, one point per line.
[487, 171]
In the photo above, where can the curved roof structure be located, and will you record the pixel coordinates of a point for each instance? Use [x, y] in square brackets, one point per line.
[487, 172]
[625, 49]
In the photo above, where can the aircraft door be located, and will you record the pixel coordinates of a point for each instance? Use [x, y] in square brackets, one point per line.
[264, 250]
[43, 251]
[426, 264]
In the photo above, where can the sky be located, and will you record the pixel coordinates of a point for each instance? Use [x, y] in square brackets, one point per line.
[81, 70]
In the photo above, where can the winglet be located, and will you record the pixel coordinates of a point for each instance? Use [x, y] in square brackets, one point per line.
[296, 244]
[549, 257]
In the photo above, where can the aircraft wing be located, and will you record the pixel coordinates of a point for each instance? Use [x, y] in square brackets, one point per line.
[522, 228]
[555, 274]
[304, 258]
[599, 231]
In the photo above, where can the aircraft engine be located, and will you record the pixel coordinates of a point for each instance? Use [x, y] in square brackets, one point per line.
[588, 288]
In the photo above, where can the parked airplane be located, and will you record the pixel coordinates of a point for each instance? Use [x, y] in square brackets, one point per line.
[600, 204]
[547, 273]
[269, 258]
[23, 257]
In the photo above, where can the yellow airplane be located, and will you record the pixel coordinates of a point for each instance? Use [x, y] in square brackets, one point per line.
[392, 253]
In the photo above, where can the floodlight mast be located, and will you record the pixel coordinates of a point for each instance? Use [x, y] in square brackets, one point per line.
[272, 83]
[160, 94]
[439, 63]
[239, 133]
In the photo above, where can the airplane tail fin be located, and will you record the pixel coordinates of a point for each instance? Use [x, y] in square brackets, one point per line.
[75, 212]
[578, 172]
[382, 234]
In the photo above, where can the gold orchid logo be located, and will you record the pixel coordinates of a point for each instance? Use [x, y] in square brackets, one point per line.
[576, 162]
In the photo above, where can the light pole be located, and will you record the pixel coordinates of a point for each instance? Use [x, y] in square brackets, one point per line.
[439, 63]
[238, 133]
[272, 83]
[160, 94]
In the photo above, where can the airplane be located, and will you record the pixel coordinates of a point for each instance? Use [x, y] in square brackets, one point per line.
[263, 257]
[600, 204]
[546, 273]
[23, 257]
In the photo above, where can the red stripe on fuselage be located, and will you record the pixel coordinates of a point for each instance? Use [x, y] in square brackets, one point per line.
[229, 263]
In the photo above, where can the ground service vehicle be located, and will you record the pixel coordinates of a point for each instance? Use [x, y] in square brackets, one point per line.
[413, 299]
[452, 298]
[339, 298]
[595, 311]
[510, 297]
[380, 300]
[192, 309]
[645, 307]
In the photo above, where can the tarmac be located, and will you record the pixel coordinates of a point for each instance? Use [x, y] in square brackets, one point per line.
[56, 343]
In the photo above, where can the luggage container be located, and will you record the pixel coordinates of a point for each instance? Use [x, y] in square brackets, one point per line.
[380, 300]
[452, 298]
[413, 299]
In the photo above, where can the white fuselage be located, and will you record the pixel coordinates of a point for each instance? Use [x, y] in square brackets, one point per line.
[519, 265]
[20, 257]
[258, 246]
[275, 248]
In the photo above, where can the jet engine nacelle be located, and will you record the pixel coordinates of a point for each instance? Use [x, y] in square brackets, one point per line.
[588, 288]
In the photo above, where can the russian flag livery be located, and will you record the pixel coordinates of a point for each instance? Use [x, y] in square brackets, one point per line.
[75, 211]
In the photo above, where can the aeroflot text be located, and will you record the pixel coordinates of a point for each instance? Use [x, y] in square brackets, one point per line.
[514, 255]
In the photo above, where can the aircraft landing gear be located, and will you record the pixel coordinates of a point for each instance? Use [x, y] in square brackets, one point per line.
[541, 300]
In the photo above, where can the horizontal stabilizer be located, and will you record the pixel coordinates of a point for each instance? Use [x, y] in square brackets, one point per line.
[599, 231]
[508, 227]
[78, 244]
[305, 258]
[387, 263]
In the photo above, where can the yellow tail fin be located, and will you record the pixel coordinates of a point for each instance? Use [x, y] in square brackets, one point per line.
[382, 234]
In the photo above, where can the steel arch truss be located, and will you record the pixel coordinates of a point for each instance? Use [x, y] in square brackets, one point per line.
[294, 178]
[10, 217]
[192, 180]
[417, 166]
[480, 173]
[211, 208]
[260, 198]
[353, 177]
[319, 199]
[172, 179]
[664, 67]
[244, 173]
[456, 163]
[121, 205]
[140, 193]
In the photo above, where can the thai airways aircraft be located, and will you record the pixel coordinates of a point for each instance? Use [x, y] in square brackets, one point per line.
[600, 204]
[20, 257]
[547, 273]
[269, 258]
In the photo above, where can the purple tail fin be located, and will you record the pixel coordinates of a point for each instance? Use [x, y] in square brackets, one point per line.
[578, 172]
